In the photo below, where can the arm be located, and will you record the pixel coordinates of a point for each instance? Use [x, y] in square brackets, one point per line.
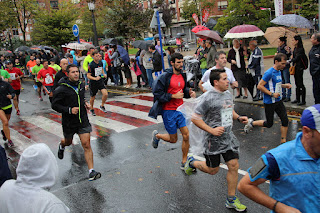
[39, 77]
[57, 102]
[298, 55]
[263, 89]
[11, 92]
[201, 87]
[92, 78]
[218, 131]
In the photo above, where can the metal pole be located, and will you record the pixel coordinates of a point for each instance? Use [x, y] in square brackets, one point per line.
[318, 15]
[95, 36]
[160, 37]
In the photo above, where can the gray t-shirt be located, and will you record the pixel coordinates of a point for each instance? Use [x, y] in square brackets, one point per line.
[216, 109]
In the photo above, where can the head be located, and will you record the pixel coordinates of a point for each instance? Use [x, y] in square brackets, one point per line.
[219, 79]
[2, 58]
[208, 43]
[221, 59]
[132, 61]
[282, 41]
[253, 44]
[64, 64]
[38, 62]
[315, 39]
[69, 57]
[310, 121]
[9, 64]
[170, 50]
[45, 64]
[297, 41]
[96, 56]
[236, 43]
[16, 61]
[84, 52]
[52, 61]
[73, 72]
[152, 48]
[177, 61]
[37, 167]
[91, 50]
[113, 47]
[32, 57]
[280, 61]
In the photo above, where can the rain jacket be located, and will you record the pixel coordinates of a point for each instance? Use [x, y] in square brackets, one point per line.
[314, 57]
[5, 89]
[37, 170]
[65, 97]
[160, 92]
[256, 62]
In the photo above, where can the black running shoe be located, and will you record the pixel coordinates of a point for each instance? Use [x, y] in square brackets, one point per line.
[3, 135]
[92, 112]
[60, 152]
[94, 175]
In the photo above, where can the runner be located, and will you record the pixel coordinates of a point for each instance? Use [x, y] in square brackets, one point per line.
[6, 93]
[96, 76]
[5, 76]
[46, 76]
[37, 84]
[69, 100]
[31, 63]
[169, 89]
[215, 114]
[63, 73]
[56, 67]
[270, 85]
[88, 59]
[16, 75]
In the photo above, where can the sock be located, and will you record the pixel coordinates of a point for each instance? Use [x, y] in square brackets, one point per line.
[90, 170]
[231, 198]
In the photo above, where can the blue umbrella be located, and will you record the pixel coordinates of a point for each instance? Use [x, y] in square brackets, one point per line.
[292, 20]
[123, 54]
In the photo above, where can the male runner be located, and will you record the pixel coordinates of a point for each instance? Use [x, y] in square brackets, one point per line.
[271, 85]
[46, 76]
[16, 75]
[68, 99]
[5, 76]
[37, 84]
[63, 73]
[53, 65]
[6, 93]
[96, 75]
[31, 63]
[215, 114]
[169, 89]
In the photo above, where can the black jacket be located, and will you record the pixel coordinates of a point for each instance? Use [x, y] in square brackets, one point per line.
[156, 61]
[57, 78]
[232, 56]
[282, 49]
[314, 57]
[5, 89]
[65, 97]
[297, 60]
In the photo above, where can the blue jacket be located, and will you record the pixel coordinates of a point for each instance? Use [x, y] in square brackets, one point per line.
[159, 90]
[256, 62]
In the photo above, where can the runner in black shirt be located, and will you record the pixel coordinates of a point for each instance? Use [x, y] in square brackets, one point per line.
[95, 74]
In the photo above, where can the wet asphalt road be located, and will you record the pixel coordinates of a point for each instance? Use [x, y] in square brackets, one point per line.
[138, 178]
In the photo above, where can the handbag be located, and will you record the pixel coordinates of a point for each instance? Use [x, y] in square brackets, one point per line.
[292, 70]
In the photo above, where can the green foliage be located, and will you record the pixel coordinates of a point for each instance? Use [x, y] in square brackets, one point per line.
[167, 13]
[8, 18]
[54, 27]
[190, 7]
[308, 8]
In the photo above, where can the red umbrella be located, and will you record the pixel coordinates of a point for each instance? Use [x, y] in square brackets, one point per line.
[205, 34]
[244, 31]
[199, 28]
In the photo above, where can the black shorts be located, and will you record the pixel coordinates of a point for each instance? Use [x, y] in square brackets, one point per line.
[280, 109]
[17, 92]
[7, 111]
[95, 86]
[213, 161]
[127, 72]
[39, 84]
[69, 132]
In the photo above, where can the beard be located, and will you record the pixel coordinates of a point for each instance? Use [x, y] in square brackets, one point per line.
[179, 69]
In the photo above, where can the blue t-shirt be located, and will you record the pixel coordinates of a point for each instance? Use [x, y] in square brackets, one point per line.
[274, 81]
[104, 63]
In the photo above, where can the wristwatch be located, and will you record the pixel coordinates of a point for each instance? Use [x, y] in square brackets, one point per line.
[271, 94]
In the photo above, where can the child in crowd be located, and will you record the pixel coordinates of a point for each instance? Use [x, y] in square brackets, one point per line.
[137, 71]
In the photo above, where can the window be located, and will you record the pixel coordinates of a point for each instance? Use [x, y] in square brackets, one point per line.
[54, 4]
[75, 1]
[15, 32]
[222, 5]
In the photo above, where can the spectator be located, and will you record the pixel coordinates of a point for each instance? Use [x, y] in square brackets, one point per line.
[211, 51]
[314, 56]
[170, 51]
[156, 60]
[146, 55]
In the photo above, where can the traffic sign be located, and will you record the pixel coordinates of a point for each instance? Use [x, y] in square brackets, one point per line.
[75, 30]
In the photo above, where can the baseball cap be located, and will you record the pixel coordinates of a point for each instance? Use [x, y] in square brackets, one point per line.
[8, 62]
[311, 117]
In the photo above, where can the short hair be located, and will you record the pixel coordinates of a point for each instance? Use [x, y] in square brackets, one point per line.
[279, 57]
[254, 43]
[70, 66]
[44, 60]
[84, 52]
[152, 47]
[235, 40]
[317, 36]
[215, 75]
[95, 52]
[175, 56]
[132, 60]
[217, 55]
[91, 48]
[284, 39]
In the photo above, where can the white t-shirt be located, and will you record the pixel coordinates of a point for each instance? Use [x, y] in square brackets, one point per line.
[206, 77]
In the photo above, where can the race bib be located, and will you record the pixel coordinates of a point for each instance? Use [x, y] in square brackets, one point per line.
[48, 79]
[98, 71]
[278, 88]
[226, 117]
[12, 76]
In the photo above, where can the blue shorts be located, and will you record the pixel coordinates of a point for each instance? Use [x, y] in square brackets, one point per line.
[173, 120]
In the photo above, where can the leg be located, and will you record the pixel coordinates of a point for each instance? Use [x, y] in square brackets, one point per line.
[232, 176]
[16, 102]
[185, 143]
[245, 91]
[66, 142]
[92, 102]
[171, 138]
[150, 77]
[316, 88]
[104, 97]
[281, 111]
[5, 124]
[88, 154]
[120, 75]
[202, 165]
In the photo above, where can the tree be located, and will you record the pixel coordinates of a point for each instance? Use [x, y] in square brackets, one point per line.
[54, 27]
[8, 20]
[167, 12]
[308, 8]
[127, 18]
[190, 7]
[245, 12]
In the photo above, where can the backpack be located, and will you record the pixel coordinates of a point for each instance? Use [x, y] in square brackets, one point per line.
[118, 60]
[305, 61]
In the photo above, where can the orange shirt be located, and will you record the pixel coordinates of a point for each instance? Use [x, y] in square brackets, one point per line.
[31, 64]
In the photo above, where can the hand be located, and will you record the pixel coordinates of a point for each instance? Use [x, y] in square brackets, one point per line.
[218, 131]
[98, 78]
[243, 119]
[205, 55]
[75, 110]
[104, 75]
[41, 80]
[234, 84]
[192, 93]
[276, 95]
[288, 86]
[178, 95]
[233, 62]
[9, 96]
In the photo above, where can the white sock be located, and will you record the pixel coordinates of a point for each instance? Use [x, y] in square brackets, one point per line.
[90, 170]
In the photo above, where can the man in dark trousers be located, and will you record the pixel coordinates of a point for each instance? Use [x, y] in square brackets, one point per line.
[156, 59]
[314, 57]
[68, 99]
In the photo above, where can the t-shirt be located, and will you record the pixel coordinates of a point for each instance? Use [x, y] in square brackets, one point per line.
[4, 74]
[14, 73]
[36, 69]
[206, 76]
[86, 62]
[31, 64]
[56, 67]
[274, 81]
[96, 69]
[176, 84]
[47, 75]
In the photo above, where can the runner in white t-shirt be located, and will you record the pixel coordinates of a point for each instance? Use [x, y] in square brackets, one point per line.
[221, 62]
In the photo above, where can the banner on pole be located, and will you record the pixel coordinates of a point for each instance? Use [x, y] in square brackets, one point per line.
[278, 7]
[205, 14]
[196, 19]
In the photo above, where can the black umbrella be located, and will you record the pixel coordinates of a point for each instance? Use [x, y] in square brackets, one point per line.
[22, 49]
[137, 43]
[211, 23]
[6, 53]
[109, 41]
[145, 45]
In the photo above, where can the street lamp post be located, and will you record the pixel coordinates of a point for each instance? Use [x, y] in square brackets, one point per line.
[91, 6]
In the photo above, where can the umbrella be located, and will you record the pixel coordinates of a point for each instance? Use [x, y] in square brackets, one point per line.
[272, 34]
[88, 45]
[22, 49]
[137, 43]
[199, 28]
[292, 20]
[123, 54]
[244, 31]
[76, 46]
[211, 23]
[179, 35]
[145, 45]
[35, 48]
[109, 41]
[205, 34]
[6, 53]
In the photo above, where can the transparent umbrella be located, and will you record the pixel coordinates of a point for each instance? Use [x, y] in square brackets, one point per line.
[292, 20]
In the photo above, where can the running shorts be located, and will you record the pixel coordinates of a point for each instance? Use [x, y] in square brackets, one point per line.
[69, 132]
[173, 120]
[213, 161]
[95, 86]
[17, 92]
[7, 110]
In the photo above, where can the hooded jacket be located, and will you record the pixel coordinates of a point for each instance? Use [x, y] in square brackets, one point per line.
[37, 170]
[314, 57]
[65, 97]
[5, 89]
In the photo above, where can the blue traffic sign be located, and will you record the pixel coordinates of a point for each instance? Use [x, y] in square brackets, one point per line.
[75, 30]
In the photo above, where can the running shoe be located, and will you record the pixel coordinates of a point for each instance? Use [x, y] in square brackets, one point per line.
[10, 144]
[35, 87]
[188, 169]
[103, 109]
[44, 92]
[248, 126]
[94, 175]
[235, 204]
[40, 98]
[155, 140]
[18, 112]
[92, 112]
[3, 135]
[60, 152]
